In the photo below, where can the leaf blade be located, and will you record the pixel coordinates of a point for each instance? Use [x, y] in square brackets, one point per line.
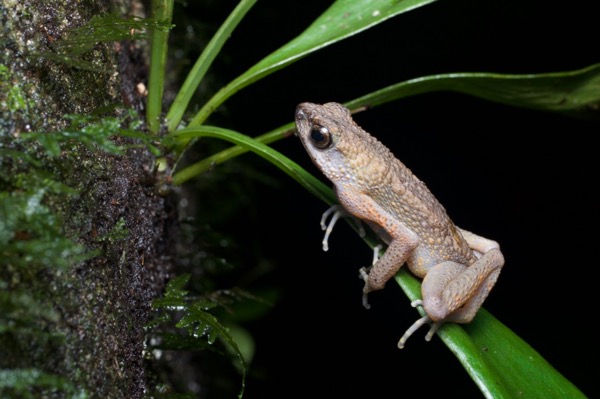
[204, 61]
[575, 92]
[312, 184]
[497, 360]
[341, 20]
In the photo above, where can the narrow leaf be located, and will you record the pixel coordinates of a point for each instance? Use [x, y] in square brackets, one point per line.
[499, 362]
[294, 170]
[203, 63]
[342, 19]
[575, 93]
[207, 163]
[527, 374]
[571, 92]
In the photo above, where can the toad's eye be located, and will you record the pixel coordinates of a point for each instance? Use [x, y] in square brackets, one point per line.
[320, 137]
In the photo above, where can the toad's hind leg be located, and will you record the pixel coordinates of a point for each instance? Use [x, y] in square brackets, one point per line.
[455, 292]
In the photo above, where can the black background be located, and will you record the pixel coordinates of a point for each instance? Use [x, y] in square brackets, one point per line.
[526, 179]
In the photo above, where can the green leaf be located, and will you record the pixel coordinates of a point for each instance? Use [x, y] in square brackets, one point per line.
[34, 383]
[102, 28]
[209, 162]
[575, 93]
[95, 133]
[19, 155]
[528, 374]
[175, 286]
[201, 323]
[499, 362]
[196, 320]
[342, 19]
[203, 63]
[83, 129]
[30, 234]
[571, 92]
[294, 170]
[177, 342]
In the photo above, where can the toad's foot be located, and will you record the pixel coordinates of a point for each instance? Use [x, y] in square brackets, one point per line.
[328, 227]
[417, 324]
[364, 275]
[338, 211]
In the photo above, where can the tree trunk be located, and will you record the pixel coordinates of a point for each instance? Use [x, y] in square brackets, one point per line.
[79, 331]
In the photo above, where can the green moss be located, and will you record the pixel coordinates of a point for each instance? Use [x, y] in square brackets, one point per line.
[27, 383]
[77, 47]
[12, 96]
[33, 249]
[118, 232]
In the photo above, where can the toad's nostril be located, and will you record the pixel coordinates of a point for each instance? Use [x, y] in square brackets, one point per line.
[300, 114]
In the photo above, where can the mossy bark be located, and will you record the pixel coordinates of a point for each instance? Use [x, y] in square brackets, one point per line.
[93, 333]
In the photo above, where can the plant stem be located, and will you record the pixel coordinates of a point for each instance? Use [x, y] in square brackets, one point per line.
[162, 12]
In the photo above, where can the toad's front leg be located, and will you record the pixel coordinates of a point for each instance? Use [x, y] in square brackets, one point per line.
[401, 240]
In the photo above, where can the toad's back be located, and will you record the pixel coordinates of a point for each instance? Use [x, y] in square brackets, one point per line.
[359, 163]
